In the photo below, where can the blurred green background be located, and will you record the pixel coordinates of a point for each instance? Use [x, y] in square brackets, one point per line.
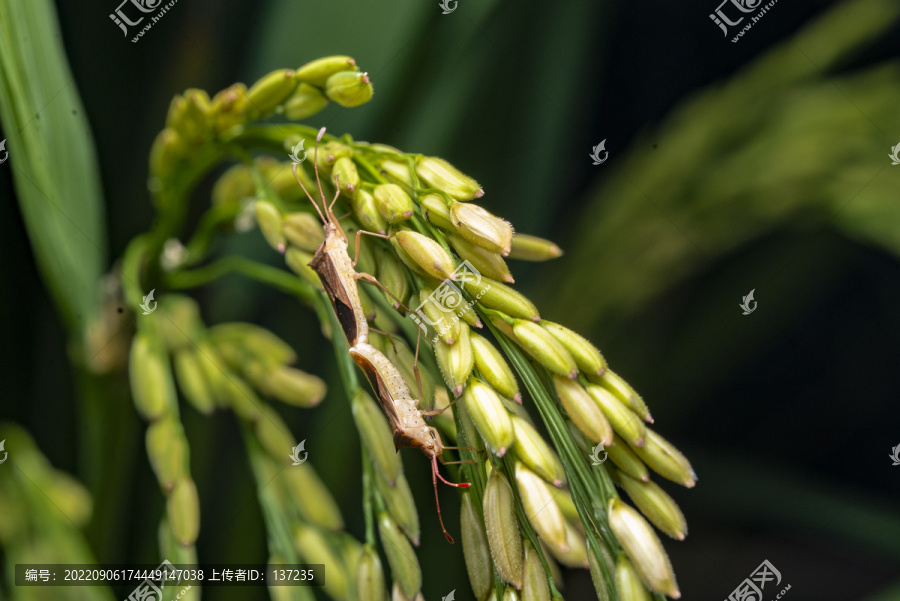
[761, 165]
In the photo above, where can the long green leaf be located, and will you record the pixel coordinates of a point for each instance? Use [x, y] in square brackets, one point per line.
[52, 158]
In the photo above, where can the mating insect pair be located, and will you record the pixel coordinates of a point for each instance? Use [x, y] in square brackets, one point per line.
[338, 275]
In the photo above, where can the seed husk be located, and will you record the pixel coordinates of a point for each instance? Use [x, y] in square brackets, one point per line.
[191, 382]
[544, 348]
[167, 450]
[624, 421]
[312, 497]
[583, 411]
[643, 548]
[478, 226]
[487, 262]
[269, 92]
[456, 360]
[493, 367]
[628, 582]
[438, 173]
[376, 436]
[399, 502]
[305, 102]
[183, 508]
[476, 552]
[151, 378]
[370, 585]
[656, 505]
[663, 458]
[502, 529]
[393, 203]
[534, 586]
[532, 248]
[303, 230]
[317, 72]
[536, 453]
[587, 356]
[490, 416]
[401, 556]
[349, 88]
[540, 509]
[625, 459]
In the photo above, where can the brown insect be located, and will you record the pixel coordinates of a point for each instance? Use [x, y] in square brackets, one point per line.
[336, 271]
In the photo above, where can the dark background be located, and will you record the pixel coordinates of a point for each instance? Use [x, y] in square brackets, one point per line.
[787, 414]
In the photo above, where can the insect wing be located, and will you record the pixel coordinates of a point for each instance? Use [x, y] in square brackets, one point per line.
[323, 265]
[379, 387]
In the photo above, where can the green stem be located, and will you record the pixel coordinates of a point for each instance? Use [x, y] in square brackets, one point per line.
[370, 169]
[368, 495]
[199, 245]
[266, 274]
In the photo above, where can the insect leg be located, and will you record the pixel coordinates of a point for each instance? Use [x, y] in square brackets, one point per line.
[439, 411]
[359, 234]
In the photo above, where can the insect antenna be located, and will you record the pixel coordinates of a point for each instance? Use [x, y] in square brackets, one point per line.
[316, 164]
[308, 195]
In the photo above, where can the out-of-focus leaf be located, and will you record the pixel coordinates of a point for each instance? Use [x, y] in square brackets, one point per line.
[52, 157]
[776, 145]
